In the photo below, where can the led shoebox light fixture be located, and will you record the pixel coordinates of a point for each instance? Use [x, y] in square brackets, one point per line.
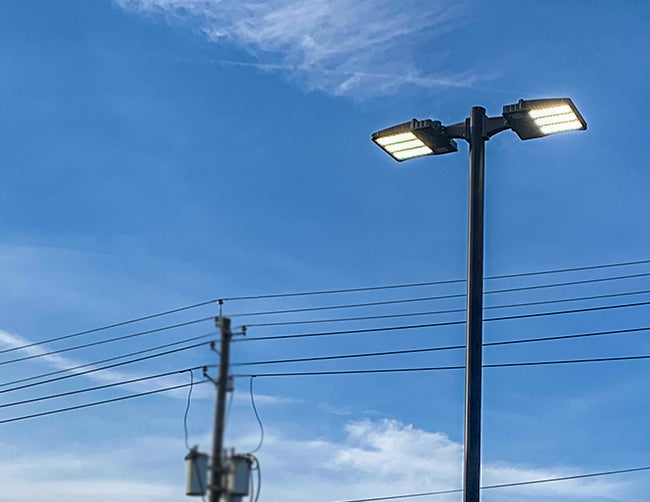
[415, 139]
[540, 117]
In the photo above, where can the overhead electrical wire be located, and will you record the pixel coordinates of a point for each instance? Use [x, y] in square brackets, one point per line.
[443, 348]
[440, 297]
[126, 382]
[348, 290]
[102, 361]
[115, 325]
[98, 342]
[440, 368]
[438, 324]
[431, 283]
[503, 485]
[101, 368]
[449, 311]
[348, 332]
[98, 403]
[195, 321]
[156, 330]
[98, 387]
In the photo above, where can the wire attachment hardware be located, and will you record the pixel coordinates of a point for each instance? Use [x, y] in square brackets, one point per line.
[205, 375]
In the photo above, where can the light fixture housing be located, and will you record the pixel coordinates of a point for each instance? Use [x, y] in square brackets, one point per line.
[535, 118]
[416, 138]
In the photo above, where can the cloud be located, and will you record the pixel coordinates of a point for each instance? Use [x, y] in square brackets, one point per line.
[109, 376]
[343, 47]
[105, 476]
[371, 458]
[388, 457]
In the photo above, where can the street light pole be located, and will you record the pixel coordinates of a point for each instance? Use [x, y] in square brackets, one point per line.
[529, 119]
[474, 306]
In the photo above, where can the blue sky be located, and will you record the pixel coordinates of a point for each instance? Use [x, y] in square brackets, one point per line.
[158, 153]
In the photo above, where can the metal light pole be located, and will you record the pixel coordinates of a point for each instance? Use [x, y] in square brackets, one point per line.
[529, 119]
[474, 307]
[476, 130]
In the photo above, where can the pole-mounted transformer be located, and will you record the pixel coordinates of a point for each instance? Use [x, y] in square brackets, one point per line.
[196, 481]
[239, 476]
[236, 478]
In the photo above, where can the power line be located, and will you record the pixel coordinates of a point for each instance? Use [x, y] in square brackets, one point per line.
[99, 342]
[349, 332]
[438, 324]
[349, 290]
[109, 326]
[346, 306]
[97, 403]
[431, 283]
[439, 349]
[449, 311]
[504, 485]
[441, 368]
[440, 297]
[101, 361]
[114, 365]
[98, 387]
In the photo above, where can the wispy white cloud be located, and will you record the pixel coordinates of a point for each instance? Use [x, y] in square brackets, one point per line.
[343, 47]
[109, 376]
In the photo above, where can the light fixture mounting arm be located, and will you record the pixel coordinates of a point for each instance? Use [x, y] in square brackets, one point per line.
[491, 126]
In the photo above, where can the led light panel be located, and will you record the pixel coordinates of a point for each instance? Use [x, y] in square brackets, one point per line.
[554, 119]
[404, 145]
[395, 138]
[540, 117]
[415, 139]
[574, 125]
[412, 152]
[550, 110]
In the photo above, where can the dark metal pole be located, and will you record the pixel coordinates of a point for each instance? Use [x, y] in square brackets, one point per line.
[217, 468]
[474, 316]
